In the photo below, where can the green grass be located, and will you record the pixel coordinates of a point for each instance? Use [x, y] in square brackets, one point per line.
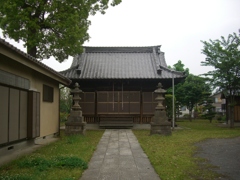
[65, 159]
[173, 157]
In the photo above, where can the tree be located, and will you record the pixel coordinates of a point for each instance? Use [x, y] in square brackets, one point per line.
[65, 100]
[190, 92]
[65, 103]
[168, 104]
[50, 28]
[224, 56]
[208, 108]
[178, 109]
[179, 66]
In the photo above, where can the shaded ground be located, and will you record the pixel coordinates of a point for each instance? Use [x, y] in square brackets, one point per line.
[223, 153]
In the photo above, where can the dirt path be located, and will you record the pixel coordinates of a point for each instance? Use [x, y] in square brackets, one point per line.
[224, 153]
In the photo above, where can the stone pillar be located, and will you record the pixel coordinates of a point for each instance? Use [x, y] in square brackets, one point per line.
[160, 124]
[75, 123]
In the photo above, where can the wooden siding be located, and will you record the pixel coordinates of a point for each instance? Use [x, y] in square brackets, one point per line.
[149, 102]
[87, 102]
[237, 113]
[98, 105]
[118, 102]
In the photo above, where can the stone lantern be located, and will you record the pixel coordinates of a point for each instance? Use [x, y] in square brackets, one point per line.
[75, 123]
[160, 124]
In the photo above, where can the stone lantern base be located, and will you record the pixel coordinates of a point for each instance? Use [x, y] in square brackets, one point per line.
[75, 123]
[72, 128]
[163, 128]
[160, 124]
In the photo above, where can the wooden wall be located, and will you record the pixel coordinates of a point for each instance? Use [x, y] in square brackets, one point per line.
[136, 104]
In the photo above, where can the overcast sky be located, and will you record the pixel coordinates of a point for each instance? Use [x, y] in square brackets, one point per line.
[177, 25]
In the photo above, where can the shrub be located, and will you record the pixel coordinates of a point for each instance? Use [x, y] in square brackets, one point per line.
[186, 116]
[220, 117]
[63, 116]
[43, 164]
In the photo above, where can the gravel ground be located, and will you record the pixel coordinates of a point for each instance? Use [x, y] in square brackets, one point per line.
[223, 153]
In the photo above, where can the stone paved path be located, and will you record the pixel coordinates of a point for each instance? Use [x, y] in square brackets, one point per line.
[119, 157]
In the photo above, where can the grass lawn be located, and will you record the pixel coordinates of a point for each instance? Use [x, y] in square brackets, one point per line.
[65, 159]
[173, 156]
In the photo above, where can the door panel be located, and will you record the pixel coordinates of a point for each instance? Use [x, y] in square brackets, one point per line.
[13, 114]
[118, 102]
[23, 114]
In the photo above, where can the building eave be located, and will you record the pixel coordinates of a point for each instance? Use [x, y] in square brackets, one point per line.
[21, 57]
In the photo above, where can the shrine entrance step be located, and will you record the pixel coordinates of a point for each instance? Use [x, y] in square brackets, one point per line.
[116, 122]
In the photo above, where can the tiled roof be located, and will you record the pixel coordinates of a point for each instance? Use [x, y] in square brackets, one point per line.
[120, 63]
[32, 59]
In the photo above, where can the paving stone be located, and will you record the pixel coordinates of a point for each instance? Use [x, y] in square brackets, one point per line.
[128, 157]
[119, 157]
[113, 175]
[90, 174]
[112, 151]
[95, 164]
[148, 176]
[112, 156]
[123, 140]
[135, 145]
[128, 175]
[123, 144]
[124, 151]
[113, 145]
[127, 164]
[97, 158]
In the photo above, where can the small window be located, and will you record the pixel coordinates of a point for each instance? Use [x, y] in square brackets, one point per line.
[47, 93]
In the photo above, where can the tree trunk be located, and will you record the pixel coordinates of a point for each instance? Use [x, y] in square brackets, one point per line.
[231, 113]
[31, 41]
[32, 51]
[231, 116]
[190, 116]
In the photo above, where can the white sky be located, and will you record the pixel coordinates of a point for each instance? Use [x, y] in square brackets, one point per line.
[176, 25]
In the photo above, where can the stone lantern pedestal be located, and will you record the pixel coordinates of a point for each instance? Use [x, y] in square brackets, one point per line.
[160, 124]
[75, 123]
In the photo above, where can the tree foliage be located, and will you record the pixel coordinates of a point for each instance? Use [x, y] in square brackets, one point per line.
[179, 66]
[65, 100]
[191, 91]
[208, 108]
[224, 56]
[50, 27]
[168, 104]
